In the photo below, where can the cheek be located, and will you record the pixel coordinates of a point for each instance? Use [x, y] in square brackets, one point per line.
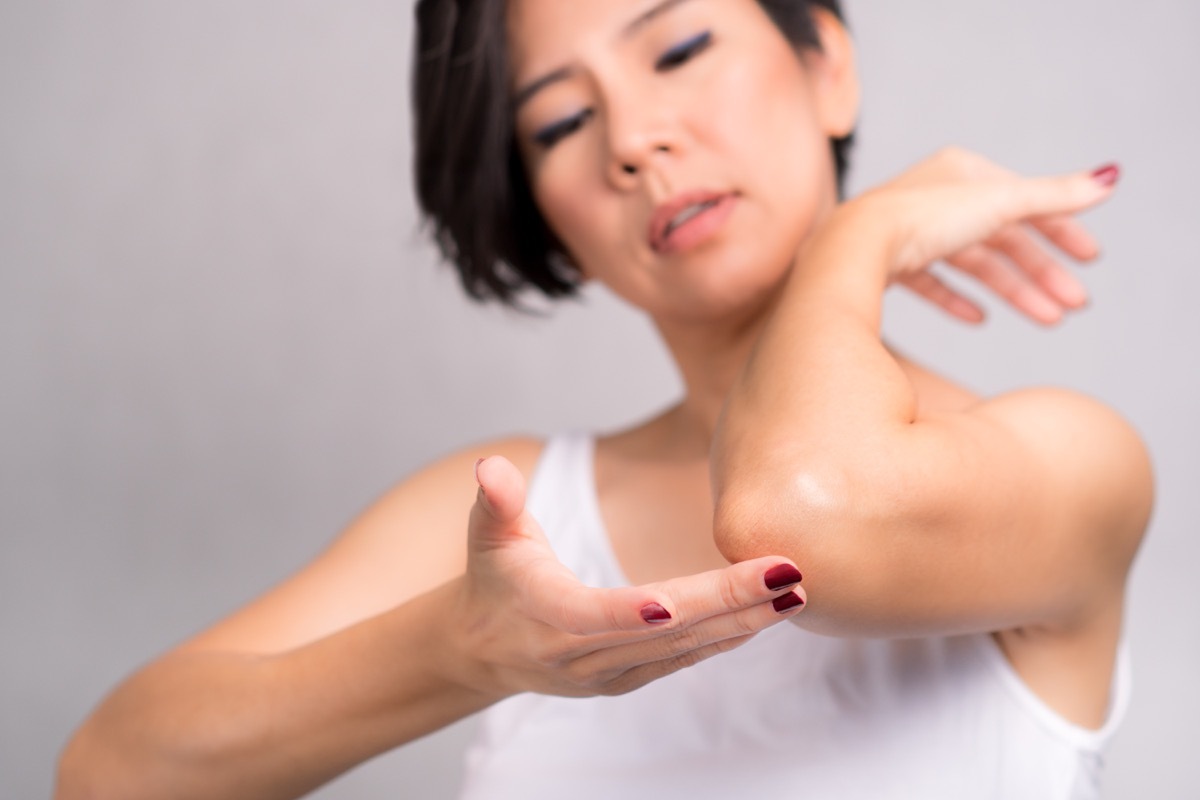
[784, 161]
[565, 210]
[570, 206]
[765, 112]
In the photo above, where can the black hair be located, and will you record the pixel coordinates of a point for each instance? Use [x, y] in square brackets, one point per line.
[470, 181]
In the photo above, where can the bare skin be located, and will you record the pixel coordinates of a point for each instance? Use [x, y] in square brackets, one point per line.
[638, 467]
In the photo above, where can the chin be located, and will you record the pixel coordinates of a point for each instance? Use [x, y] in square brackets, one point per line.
[738, 291]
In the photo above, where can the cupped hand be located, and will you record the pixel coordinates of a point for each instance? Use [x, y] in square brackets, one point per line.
[526, 623]
[993, 225]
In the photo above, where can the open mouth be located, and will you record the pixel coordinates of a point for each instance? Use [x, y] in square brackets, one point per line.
[687, 214]
[689, 220]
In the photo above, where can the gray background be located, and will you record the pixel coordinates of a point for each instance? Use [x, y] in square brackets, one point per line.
[222, 333]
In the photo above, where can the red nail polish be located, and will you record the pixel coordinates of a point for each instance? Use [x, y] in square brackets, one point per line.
[1107, 175]
[781, 577]
[787, 602]
[653, 612]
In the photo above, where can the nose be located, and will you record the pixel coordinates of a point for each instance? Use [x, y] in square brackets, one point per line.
[641, 133]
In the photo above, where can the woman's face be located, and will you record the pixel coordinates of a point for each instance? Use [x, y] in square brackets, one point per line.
[678, 148]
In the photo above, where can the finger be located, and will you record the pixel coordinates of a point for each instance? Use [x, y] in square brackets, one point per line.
[738, 586]
[933, 289]
[1033, 260]
[501, 490]
[639, 676]
[1062, 194]
[657, 609]
[498, 518]
[994, 271]
[628, 612]
[693, 598]
[1068, 235]
[608, 662]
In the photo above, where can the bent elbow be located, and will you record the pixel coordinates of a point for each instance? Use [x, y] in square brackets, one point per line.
[91, 766]
[76, 776]
[834, 527]
[801, 515]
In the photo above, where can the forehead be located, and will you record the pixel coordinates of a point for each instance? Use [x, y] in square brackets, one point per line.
[536, 26]
[548, 33]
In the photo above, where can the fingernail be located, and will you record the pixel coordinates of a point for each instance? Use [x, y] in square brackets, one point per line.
[487, 503]
[1107, 175]
[787, 602]
[781, 577]
[653, 612]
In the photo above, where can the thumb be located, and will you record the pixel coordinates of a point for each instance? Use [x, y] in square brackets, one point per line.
[505, 542]
[499, 512]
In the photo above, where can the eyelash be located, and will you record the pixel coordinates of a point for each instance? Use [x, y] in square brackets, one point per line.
[677, 56]
[548, 136]
[683, 52]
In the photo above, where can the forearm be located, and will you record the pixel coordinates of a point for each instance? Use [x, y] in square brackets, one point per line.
[1024, 509]
[201, 724]
[820, 379]
[821, 398]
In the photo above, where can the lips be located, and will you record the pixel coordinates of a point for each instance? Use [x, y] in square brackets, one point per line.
[688, 220]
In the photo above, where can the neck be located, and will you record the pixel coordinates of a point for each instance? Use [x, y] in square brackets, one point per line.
[710, 357]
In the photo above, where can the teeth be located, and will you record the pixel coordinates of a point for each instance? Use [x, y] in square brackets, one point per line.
[686, 214]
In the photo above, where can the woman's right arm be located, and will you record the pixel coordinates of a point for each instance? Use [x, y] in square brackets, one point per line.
[401, 627]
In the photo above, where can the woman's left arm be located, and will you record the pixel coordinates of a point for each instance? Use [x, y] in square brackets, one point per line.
[1024, 510]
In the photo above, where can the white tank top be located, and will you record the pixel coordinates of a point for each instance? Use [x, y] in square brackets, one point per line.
[788, 713]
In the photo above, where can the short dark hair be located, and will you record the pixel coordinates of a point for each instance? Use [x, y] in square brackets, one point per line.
[470, 181]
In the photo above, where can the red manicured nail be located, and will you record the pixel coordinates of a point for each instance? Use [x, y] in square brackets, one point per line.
[1107, 175]
[787, 602]
[653, 612]
[781, 577]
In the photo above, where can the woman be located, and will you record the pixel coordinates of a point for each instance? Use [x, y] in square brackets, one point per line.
[680, 152]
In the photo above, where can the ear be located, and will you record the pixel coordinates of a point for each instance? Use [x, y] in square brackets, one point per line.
[834, 73]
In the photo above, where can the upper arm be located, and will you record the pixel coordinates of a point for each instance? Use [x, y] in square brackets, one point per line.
[409, 541]
[1022, 510]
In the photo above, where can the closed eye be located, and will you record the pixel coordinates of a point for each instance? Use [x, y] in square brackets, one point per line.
[678, 55]
[683, 52]
[550, 135]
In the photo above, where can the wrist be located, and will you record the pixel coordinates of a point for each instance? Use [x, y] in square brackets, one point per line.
[458, 644]
[875, 222]
[857, 243]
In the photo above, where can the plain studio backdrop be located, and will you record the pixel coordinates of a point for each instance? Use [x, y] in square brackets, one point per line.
[223, 333]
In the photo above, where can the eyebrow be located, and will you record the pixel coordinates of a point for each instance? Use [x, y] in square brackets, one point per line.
[526, 92]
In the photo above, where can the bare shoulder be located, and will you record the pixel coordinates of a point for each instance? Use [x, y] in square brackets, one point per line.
[410, 540]
[1101, 486]
[1093, 472]
[1098, 466]
[1095, 494]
